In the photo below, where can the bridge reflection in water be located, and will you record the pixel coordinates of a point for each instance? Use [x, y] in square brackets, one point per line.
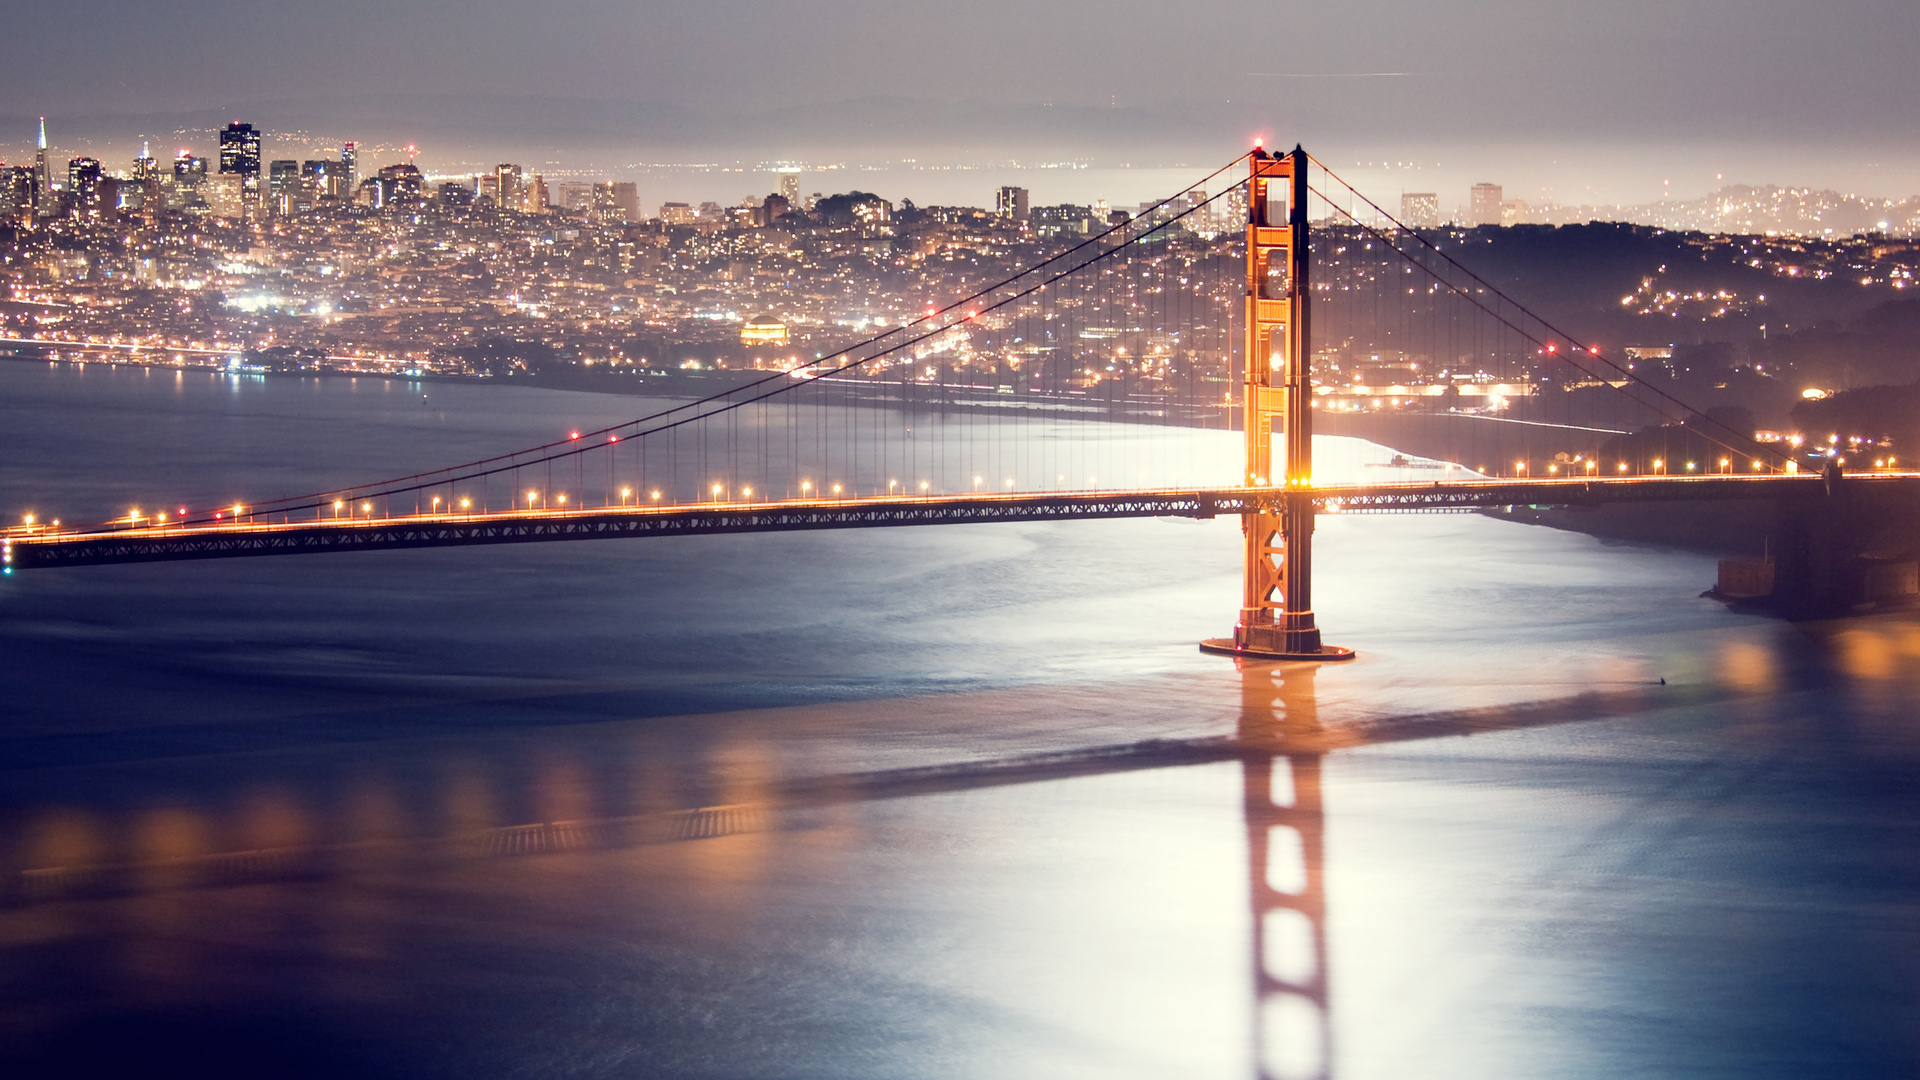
[68, 866]
[1286, 870]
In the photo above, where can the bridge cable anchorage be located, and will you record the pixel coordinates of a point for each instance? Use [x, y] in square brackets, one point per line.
[1743, 443]
[834, 362]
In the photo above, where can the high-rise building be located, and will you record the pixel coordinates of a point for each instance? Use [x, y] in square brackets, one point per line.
[626, 199]
[1484, 205]
[83, 187]
[400, 185]
[535, 200]
[507, 192]
[145, 169]
[790, 188]
[677, 213]
[240, 156]
[1420, 209]
[283, 187]
[16, 192]
[189, 171]
[225, 195]
[349, 168]
[43, 200]
[1012, 203]
[611, 203]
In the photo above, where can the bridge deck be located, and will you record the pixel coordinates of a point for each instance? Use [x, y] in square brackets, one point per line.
[26, 548]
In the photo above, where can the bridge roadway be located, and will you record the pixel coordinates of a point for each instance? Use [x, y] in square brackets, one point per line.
[122, 542]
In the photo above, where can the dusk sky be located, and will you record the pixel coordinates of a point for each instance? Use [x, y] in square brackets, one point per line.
[1616, 96]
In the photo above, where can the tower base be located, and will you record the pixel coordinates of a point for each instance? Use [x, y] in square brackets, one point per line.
[1226, 647]
[1289, 636]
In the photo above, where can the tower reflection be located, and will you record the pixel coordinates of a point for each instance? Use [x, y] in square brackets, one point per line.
[1286, 842]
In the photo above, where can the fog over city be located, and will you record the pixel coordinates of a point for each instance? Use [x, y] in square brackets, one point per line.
[1618, 104]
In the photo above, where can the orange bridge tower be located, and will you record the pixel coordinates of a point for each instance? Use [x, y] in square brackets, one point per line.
[1276, 615]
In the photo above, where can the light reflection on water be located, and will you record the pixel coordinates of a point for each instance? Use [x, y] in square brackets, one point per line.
[952, 803]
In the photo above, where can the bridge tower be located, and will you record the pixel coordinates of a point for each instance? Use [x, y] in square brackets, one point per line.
[1276, 614]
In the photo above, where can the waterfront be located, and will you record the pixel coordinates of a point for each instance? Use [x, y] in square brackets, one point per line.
[1710, 876]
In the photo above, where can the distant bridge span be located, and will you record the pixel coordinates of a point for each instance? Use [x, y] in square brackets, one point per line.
[34, 548]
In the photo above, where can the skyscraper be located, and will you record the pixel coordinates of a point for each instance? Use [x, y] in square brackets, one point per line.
[1012, 203]
[16, 191]
[1485, 205]
[613, 203]
[283, 187]
[507, 193]
[240, 154]
[144, 167]
[790, 188]
[350, 166]
[83, 187]
[43, 201]
[189, 171]
[1420, 209]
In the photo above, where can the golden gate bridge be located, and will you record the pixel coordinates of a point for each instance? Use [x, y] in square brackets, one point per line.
[832, 442]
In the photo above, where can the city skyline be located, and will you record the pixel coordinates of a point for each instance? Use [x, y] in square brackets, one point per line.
[1081, 181]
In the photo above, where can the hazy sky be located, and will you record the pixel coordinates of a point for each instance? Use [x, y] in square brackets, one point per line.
[1821, 93]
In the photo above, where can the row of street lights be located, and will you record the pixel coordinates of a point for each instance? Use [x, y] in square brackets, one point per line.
[343, 509]
[1590, 467]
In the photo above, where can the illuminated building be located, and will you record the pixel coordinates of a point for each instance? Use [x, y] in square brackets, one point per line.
[240, 156]
[763, 332]
[1420, 209]
[507, 192]
[677, 213]
[322, 178]
[349, 168]
[790, 188]
[1012, 203]
[1484, 204]
[225, 195]
[43, 201]
[189, 171]
[613, 203]
[145, 169]
[398, 184]
[535, 199]
[283, 186]
[84, 187]
[16, 191]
